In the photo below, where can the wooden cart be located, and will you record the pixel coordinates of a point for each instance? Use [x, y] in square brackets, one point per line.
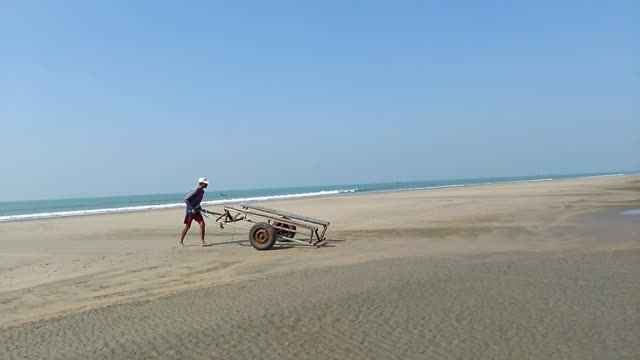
[272, 226]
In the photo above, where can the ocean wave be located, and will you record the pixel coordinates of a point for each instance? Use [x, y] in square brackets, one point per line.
[169, 206]
[525, 181]
[431, 187]
[596, 176]
[279, 197]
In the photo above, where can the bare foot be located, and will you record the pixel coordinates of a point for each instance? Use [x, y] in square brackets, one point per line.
[205, 244]
[181, 244]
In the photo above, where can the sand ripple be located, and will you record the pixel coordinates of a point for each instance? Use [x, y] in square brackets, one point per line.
[508, 306]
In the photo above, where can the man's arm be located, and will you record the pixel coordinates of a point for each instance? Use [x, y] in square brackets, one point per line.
[187, 200]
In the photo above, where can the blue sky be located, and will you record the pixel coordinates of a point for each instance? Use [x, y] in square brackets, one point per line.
[129, 97]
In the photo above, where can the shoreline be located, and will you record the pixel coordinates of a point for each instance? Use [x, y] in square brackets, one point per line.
[273, 198]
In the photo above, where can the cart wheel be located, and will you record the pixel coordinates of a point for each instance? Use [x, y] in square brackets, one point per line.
[291, 232]
[262, 236]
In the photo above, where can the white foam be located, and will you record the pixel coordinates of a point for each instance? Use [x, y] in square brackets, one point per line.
[596, 176]
[87, 212]
[279, 197]
[168, 206]
[433, 187]
[525, 181]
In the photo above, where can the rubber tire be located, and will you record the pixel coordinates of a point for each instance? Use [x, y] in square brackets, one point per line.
[270, 232]
[291, 232]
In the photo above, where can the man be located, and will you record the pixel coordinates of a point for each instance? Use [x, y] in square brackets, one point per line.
[194, 211]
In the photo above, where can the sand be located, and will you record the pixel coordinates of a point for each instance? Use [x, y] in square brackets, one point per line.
[523, 270]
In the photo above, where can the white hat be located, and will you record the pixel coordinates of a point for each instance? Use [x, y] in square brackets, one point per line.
[203, 180]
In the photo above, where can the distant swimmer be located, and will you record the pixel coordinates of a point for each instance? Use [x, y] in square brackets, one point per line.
[194, 211]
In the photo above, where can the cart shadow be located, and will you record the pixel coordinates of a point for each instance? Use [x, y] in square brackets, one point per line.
[235, 242]
[246, 243]
[278, 246]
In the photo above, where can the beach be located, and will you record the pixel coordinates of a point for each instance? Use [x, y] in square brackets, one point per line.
[521, 270]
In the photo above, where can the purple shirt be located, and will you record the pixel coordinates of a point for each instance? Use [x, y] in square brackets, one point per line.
[194, 198]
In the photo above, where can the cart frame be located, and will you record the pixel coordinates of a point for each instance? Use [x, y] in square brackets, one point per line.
[286, 225]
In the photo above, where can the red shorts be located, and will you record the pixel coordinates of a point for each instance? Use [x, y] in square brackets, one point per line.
[197, 217]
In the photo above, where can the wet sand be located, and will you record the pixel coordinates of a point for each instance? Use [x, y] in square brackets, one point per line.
[526, 270]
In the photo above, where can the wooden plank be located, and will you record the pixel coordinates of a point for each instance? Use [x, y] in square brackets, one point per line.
[321, 243]
[271, 217]
[286, 214]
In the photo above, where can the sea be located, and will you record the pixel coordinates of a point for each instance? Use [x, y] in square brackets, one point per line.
[38, 209]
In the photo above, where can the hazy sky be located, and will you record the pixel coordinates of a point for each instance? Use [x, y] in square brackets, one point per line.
[130, 97]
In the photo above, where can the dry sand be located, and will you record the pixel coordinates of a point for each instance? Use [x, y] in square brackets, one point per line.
[524, 270]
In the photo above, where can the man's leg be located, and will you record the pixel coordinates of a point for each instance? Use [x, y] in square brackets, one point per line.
[184, 233]
[202, 227]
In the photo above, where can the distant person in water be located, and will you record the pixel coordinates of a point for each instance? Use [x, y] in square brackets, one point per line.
[194, 211]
